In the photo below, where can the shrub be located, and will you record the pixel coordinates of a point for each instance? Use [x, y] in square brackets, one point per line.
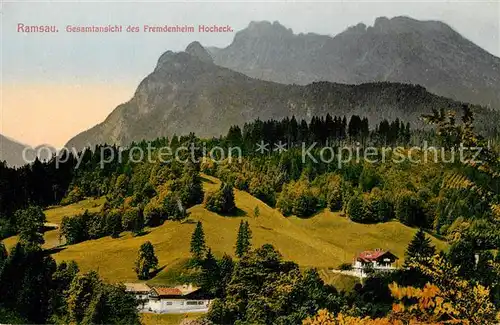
[356, 208]
[369, 178]
[154, 213]
[345, 267]
[330, 186]
[74, 196]
[114, 223]
[298, 198]
[378, 207]
[133, 220]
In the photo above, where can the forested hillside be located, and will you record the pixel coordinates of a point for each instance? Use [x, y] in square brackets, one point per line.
[291, 202]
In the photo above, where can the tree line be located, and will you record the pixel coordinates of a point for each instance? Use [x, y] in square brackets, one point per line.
[37, 290]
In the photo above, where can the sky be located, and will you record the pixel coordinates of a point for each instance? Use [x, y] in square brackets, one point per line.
[55, 85]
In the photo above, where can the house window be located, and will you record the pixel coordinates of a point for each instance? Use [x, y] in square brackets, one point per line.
[201, 302]
[169, 303]
[191, 303]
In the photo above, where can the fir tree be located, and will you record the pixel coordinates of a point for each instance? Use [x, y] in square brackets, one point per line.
[462, 255]
[210, 273]
[226, 267]
[243, 241]
[228, 205]
[198, 246]
[420, 248]
[146, 261]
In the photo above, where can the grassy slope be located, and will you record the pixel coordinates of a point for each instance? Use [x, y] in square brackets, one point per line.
[323, 241]
[167, 319]
[54, 216]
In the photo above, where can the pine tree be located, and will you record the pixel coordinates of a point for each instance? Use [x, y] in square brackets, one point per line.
[243, 241]
[226, 267]
[210, 273]
[146, 261]
[228, 205]
[419, 248]
[198, 246]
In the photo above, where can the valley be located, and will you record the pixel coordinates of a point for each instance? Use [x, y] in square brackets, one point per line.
[323, 241]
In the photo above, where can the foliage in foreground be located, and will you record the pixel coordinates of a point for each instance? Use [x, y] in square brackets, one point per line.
[265, 289]
[446, 299]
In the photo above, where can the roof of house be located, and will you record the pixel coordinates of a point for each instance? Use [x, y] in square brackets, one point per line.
[137, 287]
[374, 255]
[166, 291]
[181, 290]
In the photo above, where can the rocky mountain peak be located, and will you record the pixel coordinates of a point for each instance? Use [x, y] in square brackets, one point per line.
[398, 49]
[263, 30]
[197, 50]
[403, 24]
[165, 58]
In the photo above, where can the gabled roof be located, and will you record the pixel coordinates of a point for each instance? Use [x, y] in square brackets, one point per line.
[369, 256]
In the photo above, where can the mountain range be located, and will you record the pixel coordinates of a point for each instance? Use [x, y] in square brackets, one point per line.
[187, 92]
[11, 151]
[399, 68]
[401, 49]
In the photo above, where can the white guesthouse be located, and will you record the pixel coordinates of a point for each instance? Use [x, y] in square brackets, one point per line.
[378, 260]
[165, 300]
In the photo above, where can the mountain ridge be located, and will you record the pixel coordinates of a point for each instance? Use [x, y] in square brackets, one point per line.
[11, 151]
[400, 49]
[186, 93]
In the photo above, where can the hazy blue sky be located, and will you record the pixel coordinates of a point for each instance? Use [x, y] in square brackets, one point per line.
[75, 80]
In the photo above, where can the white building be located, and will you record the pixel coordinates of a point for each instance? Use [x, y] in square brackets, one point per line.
[165, 300]
[140, 291]
[377, 260]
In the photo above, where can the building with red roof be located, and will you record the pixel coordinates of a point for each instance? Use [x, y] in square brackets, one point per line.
[185, 298]
[161, 299]
[377, 260]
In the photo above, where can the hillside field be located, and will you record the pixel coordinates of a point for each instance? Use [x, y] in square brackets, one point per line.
[323, 241]
[167, 319]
